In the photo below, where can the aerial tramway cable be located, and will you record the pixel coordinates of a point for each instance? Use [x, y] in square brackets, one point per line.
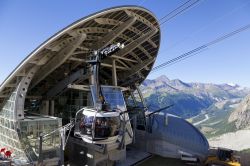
[179, 10]
[216, 20]
[199, 49]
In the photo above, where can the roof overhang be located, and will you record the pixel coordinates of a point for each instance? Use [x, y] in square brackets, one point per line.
[62, 57]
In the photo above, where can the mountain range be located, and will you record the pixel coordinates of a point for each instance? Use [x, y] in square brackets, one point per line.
[220, 111]
[189, 99]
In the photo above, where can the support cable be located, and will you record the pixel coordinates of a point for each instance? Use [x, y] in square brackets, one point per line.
[200, 48]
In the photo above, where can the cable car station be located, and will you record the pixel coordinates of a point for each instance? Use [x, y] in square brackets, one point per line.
[68, 99]
[76, 98]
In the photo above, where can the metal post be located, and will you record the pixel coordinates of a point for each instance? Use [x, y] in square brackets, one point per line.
[52, 107]
[91, 77]
[62, 153]
[141, 96]
[134, 128]
[40, 158]
[62, 133]
[145, 107]
[114, 75]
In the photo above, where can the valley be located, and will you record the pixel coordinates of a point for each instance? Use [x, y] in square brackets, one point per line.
[217, 122]
[220, 112]
[190, 99]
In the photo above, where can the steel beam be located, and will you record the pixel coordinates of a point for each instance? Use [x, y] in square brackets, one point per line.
[58, 60]
[138, 68]
[137, 31]
[60, 86]
[102, 64]
[135, 56]
[21, 92]
[140, 47]
[117, 67]
[109, 37]
[152, 43]
[58, 45]
[83, 48]
[27, 97]
[79, 87]
[131, 46]
[123, 58]
[114, 76]
[77, 59]
[141, 18]
[147, 68]
[80, 52]
[4, 96]
[125, 65]
[92, 30]
[21, 74]
[105, 21]
[44, 59]
[145, 52]
[122, 61]
[109, 21]
[11, 85]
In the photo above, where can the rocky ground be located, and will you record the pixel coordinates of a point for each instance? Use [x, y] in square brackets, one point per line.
[238, 140]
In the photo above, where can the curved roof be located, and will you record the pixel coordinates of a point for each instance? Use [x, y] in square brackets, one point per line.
[63, 55]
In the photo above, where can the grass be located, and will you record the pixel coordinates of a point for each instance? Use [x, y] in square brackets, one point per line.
[224, 127]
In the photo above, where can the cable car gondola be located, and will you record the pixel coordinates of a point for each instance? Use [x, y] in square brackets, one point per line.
[99, 124]
[98, 127]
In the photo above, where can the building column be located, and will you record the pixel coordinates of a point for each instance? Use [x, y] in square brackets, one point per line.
[45, 107]
[52, 107]
[114, 75]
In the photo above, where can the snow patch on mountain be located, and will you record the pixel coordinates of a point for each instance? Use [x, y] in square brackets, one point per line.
[232, 84]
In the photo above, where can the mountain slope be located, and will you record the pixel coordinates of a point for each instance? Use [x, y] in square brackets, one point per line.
[214, 120]
[241, 115]
[189, 99]
[185, 105]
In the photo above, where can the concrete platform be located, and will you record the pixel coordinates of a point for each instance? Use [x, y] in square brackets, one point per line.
[136, 157]
[133, 157]
[161, 161]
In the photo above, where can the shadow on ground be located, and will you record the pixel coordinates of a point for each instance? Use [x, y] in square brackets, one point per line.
[161, 161]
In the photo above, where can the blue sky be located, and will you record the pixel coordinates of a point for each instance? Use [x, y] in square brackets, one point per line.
[26, 24]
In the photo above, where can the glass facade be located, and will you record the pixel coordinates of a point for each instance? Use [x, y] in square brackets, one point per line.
[32, 127]
[24, 142]
[135, 105]
[22, 136]
[68, 103]
[9, 137]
